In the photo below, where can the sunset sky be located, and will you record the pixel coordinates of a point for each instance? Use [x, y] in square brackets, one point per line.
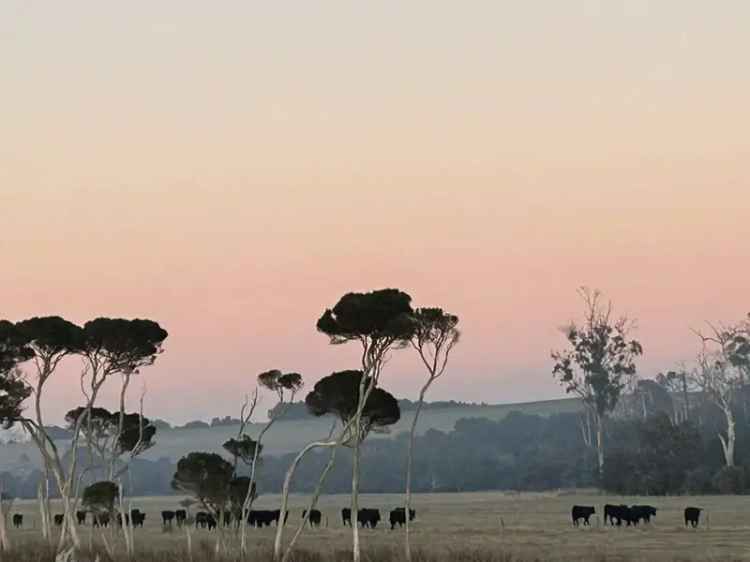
[231, 169]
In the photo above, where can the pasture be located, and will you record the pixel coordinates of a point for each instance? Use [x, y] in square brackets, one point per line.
[487, 526]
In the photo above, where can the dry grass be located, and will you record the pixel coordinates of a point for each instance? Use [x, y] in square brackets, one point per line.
[479, 527]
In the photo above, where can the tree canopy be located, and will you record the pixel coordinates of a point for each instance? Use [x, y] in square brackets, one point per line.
[338, 394]
[103, 428]
[52, 337]
[14, 349]
[280, 383]
[100, 496]
[206, 476]
[125, 345]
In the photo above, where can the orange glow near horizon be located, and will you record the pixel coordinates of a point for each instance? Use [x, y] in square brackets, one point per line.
[230, 173]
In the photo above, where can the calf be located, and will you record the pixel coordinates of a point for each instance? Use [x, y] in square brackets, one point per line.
[17, 520]
[167, 517]
[582, 512]
[398, 517]
[692, 516]
[346, 516]
[81, 517]
[642, 512]
[205, 520]
[58, 519]
[315, 517]
[137, 518]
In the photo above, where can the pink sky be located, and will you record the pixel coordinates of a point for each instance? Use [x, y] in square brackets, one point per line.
[232, 173]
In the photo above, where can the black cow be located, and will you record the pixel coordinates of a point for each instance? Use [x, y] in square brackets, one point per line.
[642, 513]
[137, 517]
[346, 516]
[692, 516]
[205, 520]
[398, 517]
[81, 517]
[262, 517]
[167, 517]
[226, 518]
[119, 519]
[616, 514]
[315, 517]
[368, 517]
[58, 519]
[17, 520]
[582, 512]
[100, 519]
[180, 515]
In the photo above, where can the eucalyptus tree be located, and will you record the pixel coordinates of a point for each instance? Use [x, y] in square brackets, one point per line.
[338, 395]
[434, 336]
[722, 374]
[285, 386]
[14, 350]
[599, 361]
[207, 477]
[379, 321]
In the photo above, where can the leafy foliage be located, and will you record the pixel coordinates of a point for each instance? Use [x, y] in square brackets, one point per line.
[206, 476]
[124, 345]
[103, 428]
[100, 496]
[243, 448]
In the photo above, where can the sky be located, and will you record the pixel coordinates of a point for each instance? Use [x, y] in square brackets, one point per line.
[231, 169]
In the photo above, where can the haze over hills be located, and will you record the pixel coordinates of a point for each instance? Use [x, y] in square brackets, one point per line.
[292, 433]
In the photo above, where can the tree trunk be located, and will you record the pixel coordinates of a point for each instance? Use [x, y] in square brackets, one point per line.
[43, 511]
[5, 507]
[727, 444]
[356, 555]
[409, 464]
[600, 444]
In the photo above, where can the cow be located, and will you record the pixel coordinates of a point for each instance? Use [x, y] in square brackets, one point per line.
[315, 517]
[346, 516]
[205, 520]
[58, 519]
[100, 519]
[582, 512]
[167, 517]
[17, 520]
[180, 516]
[692, 516]
[398, 517]
[226, 518]
[642, 512]
[368, 517]
[81, 517]
[262, 517]
[137, 518]
[616, 514]
[119, 519]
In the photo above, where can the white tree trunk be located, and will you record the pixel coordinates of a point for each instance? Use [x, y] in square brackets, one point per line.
[600, 444]
[5, 507]
[409, 465]
[356, 555]
[727, 443]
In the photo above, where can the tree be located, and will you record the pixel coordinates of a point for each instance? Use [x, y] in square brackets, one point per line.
[600, 359]
[14, 350]
[205, 476]
[679, 384]
[434, 336]
[338, 394]
[51, 339]
[100, 497]
[722, 371]
[379, 321]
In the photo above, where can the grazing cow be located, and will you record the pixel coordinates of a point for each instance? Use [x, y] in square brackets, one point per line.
[101, 519]
[205, 520]
[137, 518]
[315, 517]
[17, 520]
[167, 517]
[346, 516]
[398, 517]
[368, 517]
[616, 514]
[180, 516]
[58, 519]
[692, 516]
[582, 512]
[642, 512]
[226, 518]
[119, 519]
[81, 517]
[262, 517]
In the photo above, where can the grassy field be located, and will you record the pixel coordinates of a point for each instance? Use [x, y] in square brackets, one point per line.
[480, 526]
[288, 436]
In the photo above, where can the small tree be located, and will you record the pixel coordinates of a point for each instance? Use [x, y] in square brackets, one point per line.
[434, 336]
[14, 349]
[600, 359]
[100, 497]
[205, 476]
[379, 321]
[338, 394]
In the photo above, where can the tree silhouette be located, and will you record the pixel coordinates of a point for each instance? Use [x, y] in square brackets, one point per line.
[599, 360]
[379, 321]
[100, 497]
[14, 349]
[205, 476]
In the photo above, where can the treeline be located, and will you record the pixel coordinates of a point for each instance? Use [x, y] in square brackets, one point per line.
[298, 410]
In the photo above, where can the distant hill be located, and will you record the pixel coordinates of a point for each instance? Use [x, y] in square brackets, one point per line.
[288, 433]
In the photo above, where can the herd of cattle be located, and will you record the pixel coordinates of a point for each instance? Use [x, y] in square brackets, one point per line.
[616, 515]
[367, 518]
